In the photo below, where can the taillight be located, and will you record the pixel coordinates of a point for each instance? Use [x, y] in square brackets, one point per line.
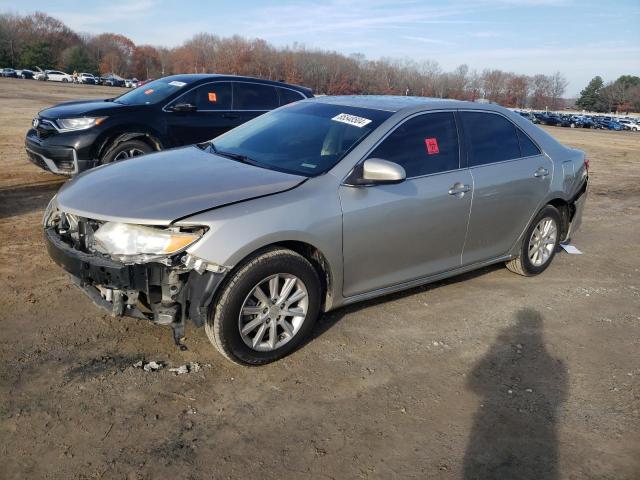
[586, 164]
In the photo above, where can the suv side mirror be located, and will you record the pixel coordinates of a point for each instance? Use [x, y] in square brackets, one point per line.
[183, 107]
[376, 171]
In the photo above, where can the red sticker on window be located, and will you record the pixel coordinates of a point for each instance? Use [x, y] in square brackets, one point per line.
[432, 145]
[213, 98]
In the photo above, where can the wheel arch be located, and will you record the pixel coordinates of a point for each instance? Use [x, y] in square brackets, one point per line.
[115, 138]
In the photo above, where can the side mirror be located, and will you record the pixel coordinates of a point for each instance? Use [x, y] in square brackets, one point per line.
[376, 171]
[183, 107]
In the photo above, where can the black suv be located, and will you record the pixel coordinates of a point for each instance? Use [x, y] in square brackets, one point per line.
[170, 112]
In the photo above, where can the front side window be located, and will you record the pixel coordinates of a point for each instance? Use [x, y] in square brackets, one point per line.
[491, 138]
[423, 145]
[254, 96]
[302, 138]
[212, 96]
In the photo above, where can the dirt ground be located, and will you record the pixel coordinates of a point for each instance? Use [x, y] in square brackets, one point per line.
[489, 375]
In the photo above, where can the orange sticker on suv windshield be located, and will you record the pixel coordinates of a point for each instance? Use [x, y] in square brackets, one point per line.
[149, 91]
[213, 98]
[432, 146]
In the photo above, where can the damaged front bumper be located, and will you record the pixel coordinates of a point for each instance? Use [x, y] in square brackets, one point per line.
[166, 295]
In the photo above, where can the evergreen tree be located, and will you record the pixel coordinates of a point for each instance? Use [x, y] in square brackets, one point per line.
[590, 96]
[37, 54]
[78, 59]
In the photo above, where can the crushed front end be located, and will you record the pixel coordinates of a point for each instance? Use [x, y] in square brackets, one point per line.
[166, 286]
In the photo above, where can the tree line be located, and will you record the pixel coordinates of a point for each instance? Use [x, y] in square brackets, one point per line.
[621, 95]
[46, 42]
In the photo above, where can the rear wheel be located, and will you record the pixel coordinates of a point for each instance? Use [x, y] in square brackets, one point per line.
[539, 244]
[125, 151]
[267, 309]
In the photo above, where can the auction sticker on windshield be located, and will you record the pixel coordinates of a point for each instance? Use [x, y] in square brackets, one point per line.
[175, 83]
[352, 120]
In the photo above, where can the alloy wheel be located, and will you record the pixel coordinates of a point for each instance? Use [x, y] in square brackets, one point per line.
[128, 153]
[542, 241]
[273, 312]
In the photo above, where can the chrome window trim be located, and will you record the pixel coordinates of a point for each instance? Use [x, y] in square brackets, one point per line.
[395, 127]
[165, 107]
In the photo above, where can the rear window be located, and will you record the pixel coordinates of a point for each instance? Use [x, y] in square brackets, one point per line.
[289, 96]
[254, 96]
[491, 138]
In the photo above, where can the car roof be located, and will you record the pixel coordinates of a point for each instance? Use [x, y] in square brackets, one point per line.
[200, 77]
[391, 103]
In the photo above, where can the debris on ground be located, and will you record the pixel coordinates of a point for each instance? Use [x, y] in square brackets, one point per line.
[151, 366]
[191, 367]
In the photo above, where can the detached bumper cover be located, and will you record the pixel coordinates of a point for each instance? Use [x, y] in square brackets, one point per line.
[578, 206]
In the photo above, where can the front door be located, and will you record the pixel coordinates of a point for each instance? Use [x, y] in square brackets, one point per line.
[397, 233]
[212, 115]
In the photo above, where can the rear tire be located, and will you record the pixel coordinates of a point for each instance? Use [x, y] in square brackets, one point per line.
[539, 244]
[228, 327]
[125, 151]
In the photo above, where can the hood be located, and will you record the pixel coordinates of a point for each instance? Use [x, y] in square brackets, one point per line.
[83, 108]
[160, 188]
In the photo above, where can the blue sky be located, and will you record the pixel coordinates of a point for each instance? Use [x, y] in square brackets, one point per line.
[579, 38]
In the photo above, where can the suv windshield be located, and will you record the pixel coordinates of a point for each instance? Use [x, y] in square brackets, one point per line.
[152, 92]
[301, 138]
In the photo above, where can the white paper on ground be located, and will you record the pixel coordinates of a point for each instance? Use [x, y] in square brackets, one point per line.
[570, 249]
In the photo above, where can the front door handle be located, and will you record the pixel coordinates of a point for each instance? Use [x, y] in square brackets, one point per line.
[541, 172]
[459, 189]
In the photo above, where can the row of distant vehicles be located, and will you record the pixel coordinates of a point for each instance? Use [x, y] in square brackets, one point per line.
[582, 121]
[109, 79]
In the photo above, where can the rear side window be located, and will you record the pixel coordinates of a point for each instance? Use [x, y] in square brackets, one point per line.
[212, 96]
[254, 96]
[423, 145]
[492, 138]
[527, 147]
[289, 96]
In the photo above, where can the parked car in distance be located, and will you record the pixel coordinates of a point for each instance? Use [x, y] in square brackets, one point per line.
[8, 73]
[39, 74]
[316, 205]
[131, 83]
[87, 78]
[169, 112]
[529, 116]
[25, 74]
[112, 80]
[58, 76]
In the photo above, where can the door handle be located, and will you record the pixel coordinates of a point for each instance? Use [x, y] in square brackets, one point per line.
[230, 115]
[459, 189]
[541, 172]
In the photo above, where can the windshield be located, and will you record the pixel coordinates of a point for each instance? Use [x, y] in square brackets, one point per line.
[152, 92]
[302, 138]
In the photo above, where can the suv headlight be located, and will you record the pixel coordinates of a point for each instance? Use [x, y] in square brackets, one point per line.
[139, 243]
[80, 123]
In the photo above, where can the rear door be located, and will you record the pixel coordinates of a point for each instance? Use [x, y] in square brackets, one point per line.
[397, 233]
[210, 119]
[511, 178]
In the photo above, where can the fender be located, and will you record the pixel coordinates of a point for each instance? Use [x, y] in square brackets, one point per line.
[111, 140]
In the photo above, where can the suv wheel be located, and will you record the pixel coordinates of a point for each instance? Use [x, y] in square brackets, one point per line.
[267, 309]
[539, 245]
[125, 151]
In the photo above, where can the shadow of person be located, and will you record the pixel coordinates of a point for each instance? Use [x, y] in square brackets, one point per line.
[514, 434]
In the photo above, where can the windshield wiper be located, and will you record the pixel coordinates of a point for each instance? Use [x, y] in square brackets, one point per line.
[235, 156]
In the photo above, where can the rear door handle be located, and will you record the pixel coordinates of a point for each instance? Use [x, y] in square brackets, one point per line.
[459, 189]
[541, 172]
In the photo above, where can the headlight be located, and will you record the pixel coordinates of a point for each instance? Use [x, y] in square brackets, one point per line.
[122, 241]
[80, 123]
[48, 212]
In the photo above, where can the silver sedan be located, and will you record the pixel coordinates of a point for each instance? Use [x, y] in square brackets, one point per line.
[316, 205]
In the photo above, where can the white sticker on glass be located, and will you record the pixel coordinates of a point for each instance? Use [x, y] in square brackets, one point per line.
[175, 83]
[352, 120]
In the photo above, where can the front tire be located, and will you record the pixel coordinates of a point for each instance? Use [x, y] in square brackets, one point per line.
[125, 151]
[267, 308]
[539, 244]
